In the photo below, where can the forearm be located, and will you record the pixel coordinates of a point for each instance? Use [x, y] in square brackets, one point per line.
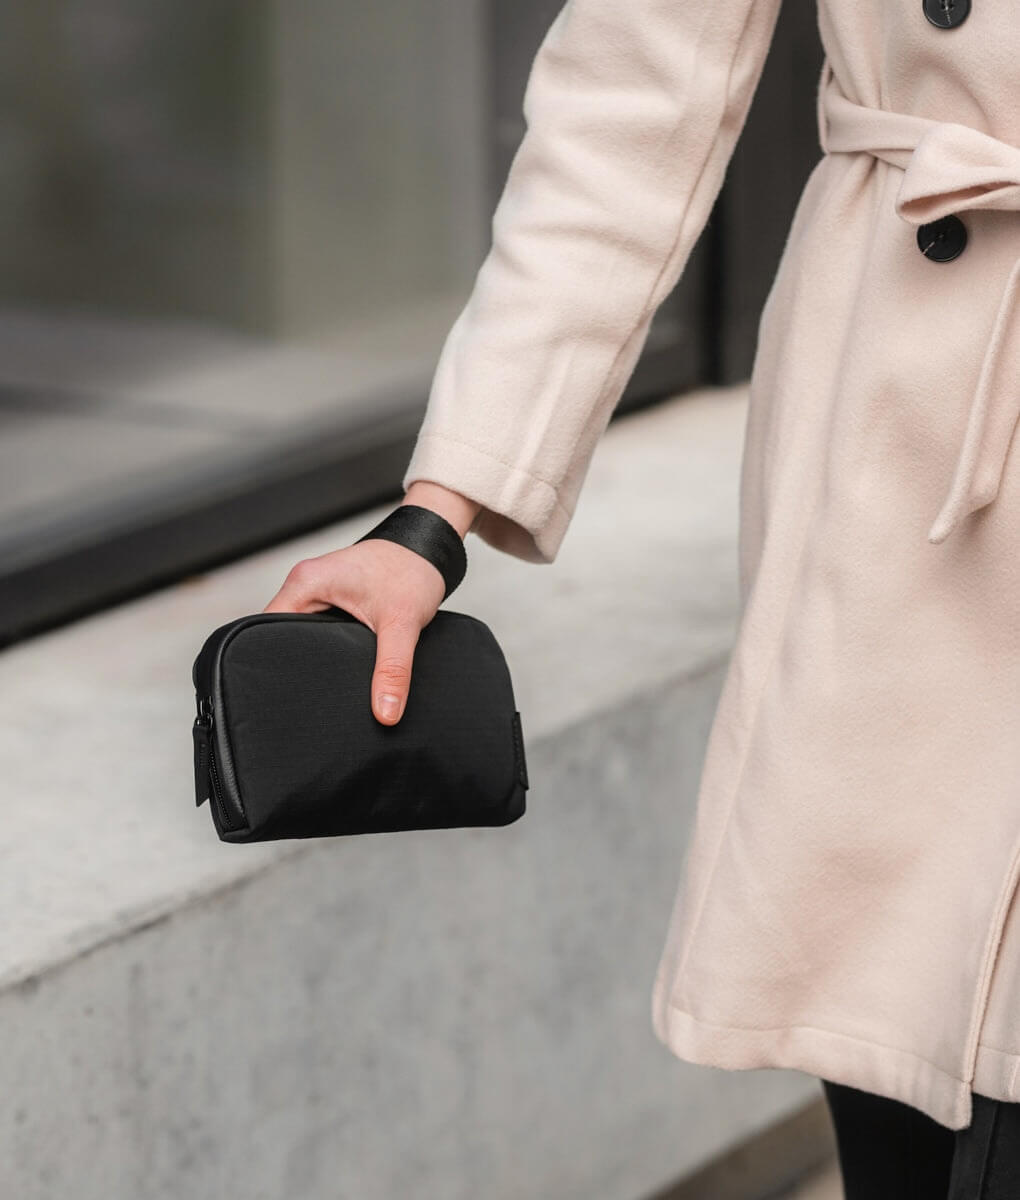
[632, 111]
[457, 509]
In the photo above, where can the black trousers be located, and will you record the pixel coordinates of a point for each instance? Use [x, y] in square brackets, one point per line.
[891, 1151]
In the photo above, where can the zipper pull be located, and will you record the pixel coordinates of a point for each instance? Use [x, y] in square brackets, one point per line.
[201, 734]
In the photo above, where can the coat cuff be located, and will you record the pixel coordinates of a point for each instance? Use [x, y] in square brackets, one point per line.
[521, 514]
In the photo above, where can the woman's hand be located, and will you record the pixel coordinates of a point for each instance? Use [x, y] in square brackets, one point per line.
[389, 588]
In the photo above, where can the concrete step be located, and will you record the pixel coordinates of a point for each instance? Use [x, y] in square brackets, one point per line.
[448, 1014]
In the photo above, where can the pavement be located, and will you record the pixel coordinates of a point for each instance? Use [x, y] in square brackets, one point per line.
[825, 1185]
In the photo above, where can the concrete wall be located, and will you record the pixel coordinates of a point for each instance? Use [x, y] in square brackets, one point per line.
[444, 1014]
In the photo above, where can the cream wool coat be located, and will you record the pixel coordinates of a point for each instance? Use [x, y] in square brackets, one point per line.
[845, 907]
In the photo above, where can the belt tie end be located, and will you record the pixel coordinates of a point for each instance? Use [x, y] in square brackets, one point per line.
[991, 422]
[947, 169]
[951, 169]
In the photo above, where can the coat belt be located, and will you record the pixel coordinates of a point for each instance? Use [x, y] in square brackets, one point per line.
[947, 169]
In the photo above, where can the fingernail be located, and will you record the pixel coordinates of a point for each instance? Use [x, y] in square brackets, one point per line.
[389, 706]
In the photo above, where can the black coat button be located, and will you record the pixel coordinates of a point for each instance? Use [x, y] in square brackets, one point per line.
[946, 14]
[943, 239]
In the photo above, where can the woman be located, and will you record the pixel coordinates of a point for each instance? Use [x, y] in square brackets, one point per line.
[846, 905]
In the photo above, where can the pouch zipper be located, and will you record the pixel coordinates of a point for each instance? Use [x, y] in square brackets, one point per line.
[204, 720]
[217, 795]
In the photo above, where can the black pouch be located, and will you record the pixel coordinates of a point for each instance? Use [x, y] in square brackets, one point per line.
[286, 744]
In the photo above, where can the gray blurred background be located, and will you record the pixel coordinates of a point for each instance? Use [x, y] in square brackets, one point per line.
[232, 240]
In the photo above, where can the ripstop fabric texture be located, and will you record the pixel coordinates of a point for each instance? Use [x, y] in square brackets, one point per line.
[293, 749]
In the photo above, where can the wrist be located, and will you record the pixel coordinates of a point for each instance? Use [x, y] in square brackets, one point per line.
[427, 532]
[459, 510]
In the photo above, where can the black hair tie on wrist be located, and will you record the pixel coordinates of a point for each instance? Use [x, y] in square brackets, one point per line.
[428, 534]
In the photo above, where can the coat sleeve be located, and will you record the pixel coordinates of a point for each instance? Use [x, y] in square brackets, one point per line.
[632, 110]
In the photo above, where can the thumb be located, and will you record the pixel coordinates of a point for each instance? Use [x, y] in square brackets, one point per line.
[395, 644]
